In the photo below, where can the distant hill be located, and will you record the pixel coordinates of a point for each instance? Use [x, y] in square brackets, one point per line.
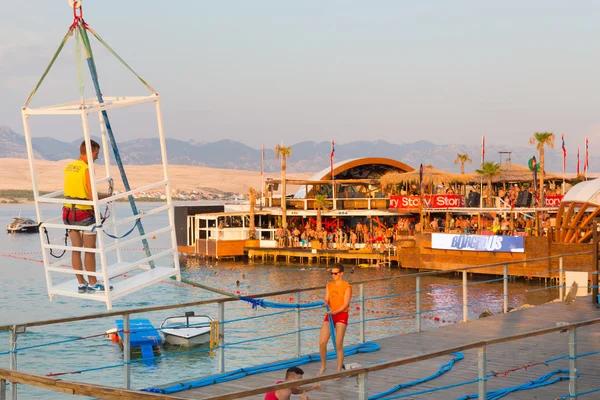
[306, 156]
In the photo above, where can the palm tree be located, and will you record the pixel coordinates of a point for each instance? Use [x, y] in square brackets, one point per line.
[489, 169]
[462, 159]
[321, 204]
[541, 139]
[251, 226]
[284, 153]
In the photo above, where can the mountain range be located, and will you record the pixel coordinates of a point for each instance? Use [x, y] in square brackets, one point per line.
[306, 156]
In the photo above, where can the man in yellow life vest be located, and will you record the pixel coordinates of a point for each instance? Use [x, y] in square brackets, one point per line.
[77, 186]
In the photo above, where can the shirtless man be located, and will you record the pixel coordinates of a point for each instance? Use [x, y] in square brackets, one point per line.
[292, 374]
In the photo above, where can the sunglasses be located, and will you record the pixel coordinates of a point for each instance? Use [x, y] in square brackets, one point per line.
[335, 273]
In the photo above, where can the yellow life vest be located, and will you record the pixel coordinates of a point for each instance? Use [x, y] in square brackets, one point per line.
[75, 186]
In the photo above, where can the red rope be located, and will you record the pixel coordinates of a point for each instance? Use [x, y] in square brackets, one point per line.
[525, 367]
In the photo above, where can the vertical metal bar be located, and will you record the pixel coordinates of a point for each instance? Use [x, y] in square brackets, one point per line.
[363, 389]
[2, 389]
[127, 351]
[573, 362]
[36, 195]
[561, 279]
[481, 372]
[361, 294]
[298, 325]
[595, 222]
[12, 362]
[465, 303]
[221, 317]
[168, 193]
[418, 301]
[505, 292]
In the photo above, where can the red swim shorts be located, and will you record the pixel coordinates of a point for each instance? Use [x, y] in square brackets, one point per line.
[339, 317]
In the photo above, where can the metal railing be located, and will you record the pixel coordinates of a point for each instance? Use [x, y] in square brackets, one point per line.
[15, 330]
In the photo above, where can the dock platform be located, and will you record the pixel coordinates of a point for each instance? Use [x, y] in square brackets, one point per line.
[324, 256]
[515, 362]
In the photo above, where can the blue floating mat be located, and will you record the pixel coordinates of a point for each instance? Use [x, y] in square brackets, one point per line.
[143, 335]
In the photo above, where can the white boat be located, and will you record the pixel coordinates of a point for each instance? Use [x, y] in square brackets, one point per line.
[20, 224]
[189, 330]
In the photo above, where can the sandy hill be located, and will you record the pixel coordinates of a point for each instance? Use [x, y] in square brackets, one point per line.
[14, 174]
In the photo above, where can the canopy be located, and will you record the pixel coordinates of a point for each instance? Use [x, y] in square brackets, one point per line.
[584, 192]
[510, 172]
[430, 175]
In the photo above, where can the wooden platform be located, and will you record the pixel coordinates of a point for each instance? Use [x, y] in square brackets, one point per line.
[296, 254]
[500, 358]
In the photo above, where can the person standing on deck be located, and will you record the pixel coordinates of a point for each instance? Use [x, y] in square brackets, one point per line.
[77, 186]
[292, 374]
[337, 296]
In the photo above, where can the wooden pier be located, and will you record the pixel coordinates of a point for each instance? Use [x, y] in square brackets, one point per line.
[502, 358]
[361, 257]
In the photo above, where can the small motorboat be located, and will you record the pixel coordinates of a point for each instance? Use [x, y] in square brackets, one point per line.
[20, 224]
[189, 330]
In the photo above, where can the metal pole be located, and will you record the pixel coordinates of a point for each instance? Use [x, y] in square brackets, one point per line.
[505, 294]
[12, 362]
[481, 372]
[595, 260]
[221, 317]
[465, 304]
[572, 363]
[2, 389]
[561, 279]
[298, 333]
[363, 389]
[127, 350]
[418, 301]
[361, 294]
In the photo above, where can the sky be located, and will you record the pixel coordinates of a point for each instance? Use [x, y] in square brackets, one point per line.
[263, 72]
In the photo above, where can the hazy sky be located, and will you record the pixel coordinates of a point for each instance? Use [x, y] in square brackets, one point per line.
[265, 71]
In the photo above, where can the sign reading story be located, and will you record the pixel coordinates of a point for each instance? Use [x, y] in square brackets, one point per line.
[430, 201]
[553, 201]
[502, 244]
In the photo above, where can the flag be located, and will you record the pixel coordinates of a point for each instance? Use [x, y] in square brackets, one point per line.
[421, 179]
[578, 161]
[585, 162]
[482, 149]
[262, 161]
[331, 157]
[564, 150]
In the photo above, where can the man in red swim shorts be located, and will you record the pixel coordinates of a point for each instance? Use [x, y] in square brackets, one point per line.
[337, 296]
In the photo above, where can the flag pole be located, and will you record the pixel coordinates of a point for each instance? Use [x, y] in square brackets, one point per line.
[481, 176]
[564, 150]
[262, 176]
[332, 176]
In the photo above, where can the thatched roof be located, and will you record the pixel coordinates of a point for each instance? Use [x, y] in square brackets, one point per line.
[430, 175]
[510, 172]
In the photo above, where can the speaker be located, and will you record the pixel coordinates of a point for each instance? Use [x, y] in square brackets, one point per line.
[524, 199]
[473, 200]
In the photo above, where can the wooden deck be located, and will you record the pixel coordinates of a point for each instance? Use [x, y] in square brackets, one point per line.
[500, 358]
[296, 254]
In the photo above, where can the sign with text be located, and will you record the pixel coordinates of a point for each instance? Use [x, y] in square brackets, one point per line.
[501, 244]
[430, 201]
[553, 201]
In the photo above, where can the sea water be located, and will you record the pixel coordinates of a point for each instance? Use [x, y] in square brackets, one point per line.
[23, 298]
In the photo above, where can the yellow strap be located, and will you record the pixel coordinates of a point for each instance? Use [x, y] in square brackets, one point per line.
[214, 337]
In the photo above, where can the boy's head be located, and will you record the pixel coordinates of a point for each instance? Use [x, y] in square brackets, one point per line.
[95, 149]
[294, 374]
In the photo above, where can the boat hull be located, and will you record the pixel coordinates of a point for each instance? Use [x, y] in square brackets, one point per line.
[177, 340]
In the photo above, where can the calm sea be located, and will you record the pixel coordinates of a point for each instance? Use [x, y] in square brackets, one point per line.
[23, 298]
